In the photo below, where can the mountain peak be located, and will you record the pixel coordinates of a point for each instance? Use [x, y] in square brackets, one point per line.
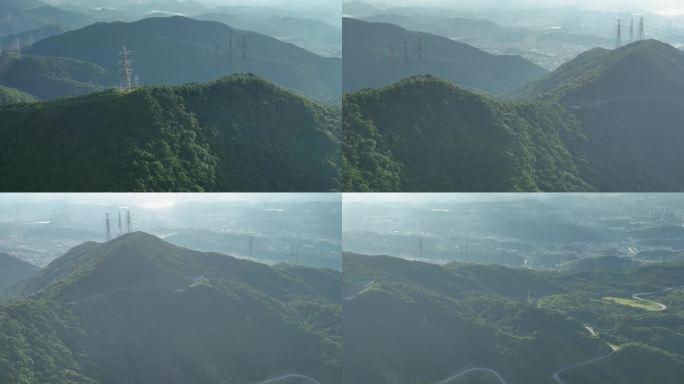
[643, 69]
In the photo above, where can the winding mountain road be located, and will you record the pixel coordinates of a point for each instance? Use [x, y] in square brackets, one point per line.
[471, 370]
[304, 379]
[637, 296]
[613, 348]
[556, 375]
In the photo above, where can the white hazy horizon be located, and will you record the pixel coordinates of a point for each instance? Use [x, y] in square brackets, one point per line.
[663, 7]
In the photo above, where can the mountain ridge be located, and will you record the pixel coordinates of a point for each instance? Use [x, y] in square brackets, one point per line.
[166, 138]
[377, 51]
[177, 50]
[119, 298]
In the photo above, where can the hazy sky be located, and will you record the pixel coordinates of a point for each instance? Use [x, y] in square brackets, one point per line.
[650, 5]
[161, 200]
[419, 198]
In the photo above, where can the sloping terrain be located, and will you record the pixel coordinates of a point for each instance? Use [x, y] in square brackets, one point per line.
[629, 102]
[425, 134]
[379, 54]
[137, 309]
[178, 50]
[408, 321]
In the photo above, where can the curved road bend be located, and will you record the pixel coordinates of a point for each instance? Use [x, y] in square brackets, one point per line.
[636, 296]
[478, 369]
[661, 306]
[556, 375]
[305, 379]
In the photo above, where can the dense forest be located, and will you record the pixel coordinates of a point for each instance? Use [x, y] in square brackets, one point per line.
[138, 309]
[425, 134]
[424, 323]
[241, 133]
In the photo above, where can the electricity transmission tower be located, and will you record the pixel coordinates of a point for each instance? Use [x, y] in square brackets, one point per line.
[120, 224]
[641, 35]
[618, 38]
[420, 48]
[631, 31]
[251, 246]
[128, 221]
[108, 229]
[420, 247]
[244, 47]
[230, 54]
[126, 69]
[406, 56]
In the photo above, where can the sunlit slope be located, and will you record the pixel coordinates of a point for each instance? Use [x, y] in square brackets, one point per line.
[51, 77]
[13, 96]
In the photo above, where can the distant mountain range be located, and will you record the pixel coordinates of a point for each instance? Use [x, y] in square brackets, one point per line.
[606, 121]
[137, 309]
[379, 54]
[13, 270]
[407, 321]
[17, 16]
[241, 133]
[311, 34]
[177, 50]
[26, 38]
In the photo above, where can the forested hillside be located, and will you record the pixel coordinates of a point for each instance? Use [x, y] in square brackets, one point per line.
[630, 104]
[137, 309]
[178, 50]
[425, 134]
[408, 321]
[241, 133]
